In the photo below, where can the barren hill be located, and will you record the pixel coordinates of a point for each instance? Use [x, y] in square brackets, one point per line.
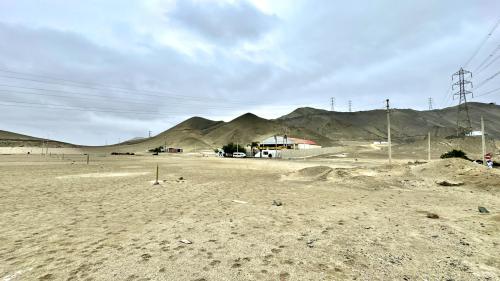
[324, 127]
[10, 139]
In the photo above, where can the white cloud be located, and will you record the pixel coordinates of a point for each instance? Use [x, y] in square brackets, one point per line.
[229, 57]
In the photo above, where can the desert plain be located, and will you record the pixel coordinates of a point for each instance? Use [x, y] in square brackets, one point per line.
[209, 218]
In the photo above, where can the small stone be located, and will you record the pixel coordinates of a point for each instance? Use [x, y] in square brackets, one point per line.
[181, 178]
[277, 203]
[483, 210]
[310, 243]
[185, 241]
[432, 216]
[449, 183]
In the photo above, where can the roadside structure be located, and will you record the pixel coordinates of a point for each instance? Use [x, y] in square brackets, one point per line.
[284, 142]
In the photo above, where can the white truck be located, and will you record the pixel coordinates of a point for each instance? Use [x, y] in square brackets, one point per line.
[268, 153]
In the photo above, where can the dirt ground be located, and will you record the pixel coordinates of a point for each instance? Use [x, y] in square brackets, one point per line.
[246, 219]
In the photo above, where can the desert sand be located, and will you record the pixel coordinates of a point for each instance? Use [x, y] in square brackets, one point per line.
[246, 219]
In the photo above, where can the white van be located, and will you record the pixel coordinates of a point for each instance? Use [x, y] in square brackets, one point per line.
[239, 155]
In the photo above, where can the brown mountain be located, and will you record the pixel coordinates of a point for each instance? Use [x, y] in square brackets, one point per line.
[324, 127]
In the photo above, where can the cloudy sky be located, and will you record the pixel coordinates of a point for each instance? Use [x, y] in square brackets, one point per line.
[96, 72]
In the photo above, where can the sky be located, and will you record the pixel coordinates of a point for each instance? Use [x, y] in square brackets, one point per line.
[99, 72]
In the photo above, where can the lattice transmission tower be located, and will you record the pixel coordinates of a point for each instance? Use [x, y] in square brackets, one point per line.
[463, 119]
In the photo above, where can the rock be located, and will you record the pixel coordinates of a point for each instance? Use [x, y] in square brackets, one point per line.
[432, 216]
[239, 201]
[277, 203]
[185, 241]
[449, 183]
[483, 210]
[310, 243]
[181, 178]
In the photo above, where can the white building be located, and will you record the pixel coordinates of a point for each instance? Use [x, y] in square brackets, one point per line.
[281, 142]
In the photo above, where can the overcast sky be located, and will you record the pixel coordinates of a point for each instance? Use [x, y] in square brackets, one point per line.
[91, 72]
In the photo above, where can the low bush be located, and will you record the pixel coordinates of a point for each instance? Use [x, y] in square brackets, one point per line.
[455, 154]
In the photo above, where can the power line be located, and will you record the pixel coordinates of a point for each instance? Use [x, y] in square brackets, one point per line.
[482, 43]
[97, 97]
[487, 93]
[86, 85]
[487, 80]
[69, 92]
[490, 63]
[63, 107]
[159, 94]
[488, 58]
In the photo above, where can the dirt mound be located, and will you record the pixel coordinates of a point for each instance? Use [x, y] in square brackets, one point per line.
[449, 167]
[456, 172]
[310, 173]
[315, 171]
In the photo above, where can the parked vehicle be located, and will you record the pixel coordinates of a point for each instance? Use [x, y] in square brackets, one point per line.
[267, 153]
[239, 155]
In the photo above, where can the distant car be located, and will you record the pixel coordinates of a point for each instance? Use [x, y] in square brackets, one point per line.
[239, 155]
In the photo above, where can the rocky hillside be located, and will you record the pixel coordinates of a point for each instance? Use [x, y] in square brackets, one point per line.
[324, 127]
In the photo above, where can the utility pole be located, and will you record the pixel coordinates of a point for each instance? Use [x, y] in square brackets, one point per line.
[350, 106]
[149, 133]
[429, 146]
[389, 130]
[463, 119]
[483, 142]
[275, 146]
[430, 103]
[332, 103]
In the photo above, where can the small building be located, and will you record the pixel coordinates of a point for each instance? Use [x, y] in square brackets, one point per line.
[173, 150]
[284, 142]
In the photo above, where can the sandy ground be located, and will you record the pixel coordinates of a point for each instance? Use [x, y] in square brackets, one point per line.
[339, 219]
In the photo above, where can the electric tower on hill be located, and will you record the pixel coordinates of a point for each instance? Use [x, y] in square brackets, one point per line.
[463, 119]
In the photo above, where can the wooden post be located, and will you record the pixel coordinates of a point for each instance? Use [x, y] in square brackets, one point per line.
[88, 158]
[389, 131]
[483, 142]
[156, 181]
[275, 147]
[429, 146]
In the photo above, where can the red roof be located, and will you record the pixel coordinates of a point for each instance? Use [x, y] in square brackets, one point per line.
[302, 141]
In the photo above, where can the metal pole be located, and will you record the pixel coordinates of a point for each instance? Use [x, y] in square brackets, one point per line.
[483, 142]
[389, 131]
